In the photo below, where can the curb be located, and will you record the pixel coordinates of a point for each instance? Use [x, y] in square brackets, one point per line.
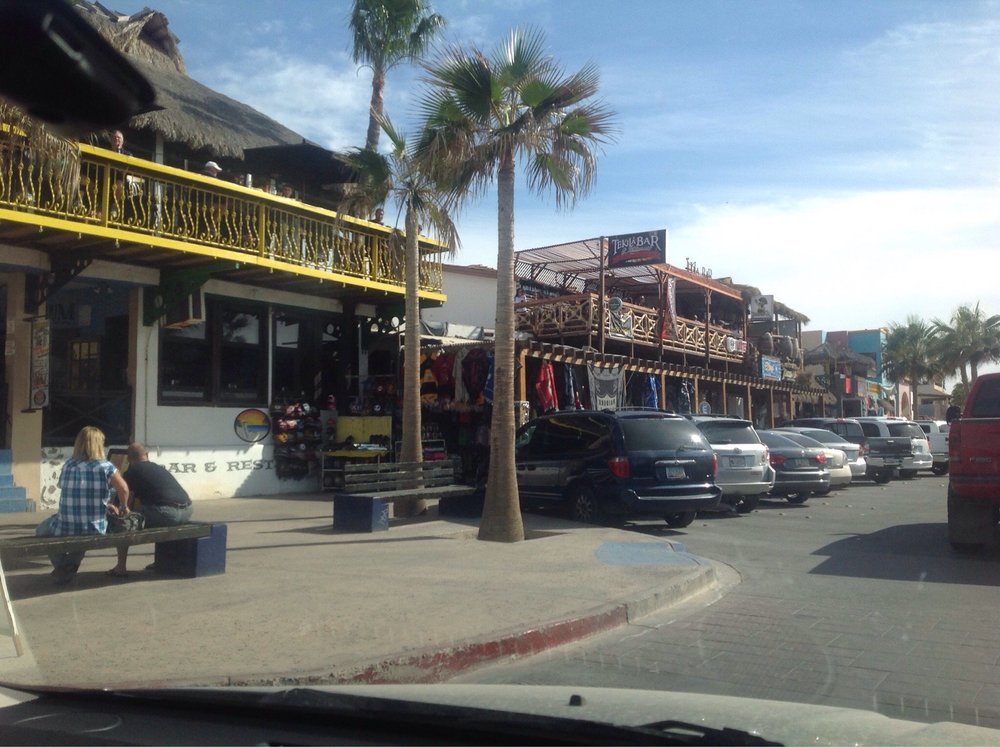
[439, 664]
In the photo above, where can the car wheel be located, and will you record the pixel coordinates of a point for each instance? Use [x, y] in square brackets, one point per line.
[825, 491]
[796, 497]
[941, 469]
[681, 519]
[583, 505]
[747, 503]
[882, 476]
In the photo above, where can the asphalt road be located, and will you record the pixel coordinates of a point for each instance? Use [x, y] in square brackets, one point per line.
[852, 599]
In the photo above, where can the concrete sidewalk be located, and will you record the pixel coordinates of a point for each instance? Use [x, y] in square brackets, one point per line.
[301, 603]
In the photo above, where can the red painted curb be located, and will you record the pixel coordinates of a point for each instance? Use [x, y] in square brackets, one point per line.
[434, 666]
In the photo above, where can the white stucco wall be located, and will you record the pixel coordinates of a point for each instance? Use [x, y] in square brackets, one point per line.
[472, 297]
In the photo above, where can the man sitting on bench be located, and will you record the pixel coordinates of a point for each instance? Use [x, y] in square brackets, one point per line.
[164, 503]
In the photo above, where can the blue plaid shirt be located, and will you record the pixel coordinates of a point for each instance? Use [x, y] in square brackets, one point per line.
[83, 503]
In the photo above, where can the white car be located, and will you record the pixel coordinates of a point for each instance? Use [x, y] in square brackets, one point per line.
[745, 473]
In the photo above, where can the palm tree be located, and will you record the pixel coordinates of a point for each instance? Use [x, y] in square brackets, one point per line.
[396, 177]
[906, 354]
[970, 339]
[482, 113]
[387, 32]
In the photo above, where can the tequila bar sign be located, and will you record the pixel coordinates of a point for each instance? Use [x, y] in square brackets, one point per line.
[647, 248]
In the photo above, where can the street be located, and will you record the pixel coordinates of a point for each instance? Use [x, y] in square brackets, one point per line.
[851, 599]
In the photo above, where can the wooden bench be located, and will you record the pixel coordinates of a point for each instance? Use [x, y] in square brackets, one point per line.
[193, 549]
[370, 488]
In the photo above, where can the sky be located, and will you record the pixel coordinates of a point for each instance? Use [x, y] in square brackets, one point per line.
[841, 155]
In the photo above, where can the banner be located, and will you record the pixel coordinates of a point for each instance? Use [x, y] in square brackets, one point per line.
[761, 308]
[647, 248]
[607, 387]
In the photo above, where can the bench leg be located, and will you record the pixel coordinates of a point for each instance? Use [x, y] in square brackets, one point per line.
[360, 513]
[202, 556]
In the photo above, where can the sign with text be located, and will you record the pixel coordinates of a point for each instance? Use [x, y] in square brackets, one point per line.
[646, 248]
[770, 368]
[39, 389]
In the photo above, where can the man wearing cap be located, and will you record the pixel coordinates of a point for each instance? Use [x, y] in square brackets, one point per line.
[211, 168]
[163, 501]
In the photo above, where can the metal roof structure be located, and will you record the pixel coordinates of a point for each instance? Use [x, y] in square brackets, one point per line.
[576, 266]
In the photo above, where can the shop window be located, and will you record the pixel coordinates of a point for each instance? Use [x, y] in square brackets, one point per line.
[84, 365]
[220, 361]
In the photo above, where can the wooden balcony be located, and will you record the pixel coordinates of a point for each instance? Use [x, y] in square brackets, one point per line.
[575, 317]
[126, 209]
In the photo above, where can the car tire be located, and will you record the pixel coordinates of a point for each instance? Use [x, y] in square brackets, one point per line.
[796, 497]
[941, 469]
[746, 503]
[882, 476]
[826, 491]
[681, 519]
[583, 505]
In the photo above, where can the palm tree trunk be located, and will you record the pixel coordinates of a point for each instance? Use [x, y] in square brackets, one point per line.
[375, 109]
[501, 521]
[412, 448]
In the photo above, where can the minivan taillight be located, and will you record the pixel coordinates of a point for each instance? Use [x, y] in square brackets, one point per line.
[619, 466]
[715, 465]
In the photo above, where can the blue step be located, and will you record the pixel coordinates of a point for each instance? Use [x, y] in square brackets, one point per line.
[12, 497]
[16, 505]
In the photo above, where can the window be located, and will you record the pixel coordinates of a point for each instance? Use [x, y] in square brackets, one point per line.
[84, 365]
[220, 361]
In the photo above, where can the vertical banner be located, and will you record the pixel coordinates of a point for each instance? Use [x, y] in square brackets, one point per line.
[39, 389]
[668, 330]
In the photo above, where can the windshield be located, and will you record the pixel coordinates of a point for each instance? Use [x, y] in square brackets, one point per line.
[286, 400]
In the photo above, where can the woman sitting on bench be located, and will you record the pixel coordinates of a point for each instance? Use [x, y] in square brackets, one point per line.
[85, 483]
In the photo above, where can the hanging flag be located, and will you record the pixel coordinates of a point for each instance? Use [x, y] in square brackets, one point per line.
[607, 387]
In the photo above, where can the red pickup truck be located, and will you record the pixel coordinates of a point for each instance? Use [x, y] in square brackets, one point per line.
[974, 466]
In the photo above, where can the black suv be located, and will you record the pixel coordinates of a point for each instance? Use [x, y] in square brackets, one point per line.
[605, 465]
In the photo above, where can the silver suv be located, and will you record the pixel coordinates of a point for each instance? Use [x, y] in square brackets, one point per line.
[745, 473]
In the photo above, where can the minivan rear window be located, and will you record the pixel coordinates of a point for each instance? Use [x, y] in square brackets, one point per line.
[657, 434]
[729, 432]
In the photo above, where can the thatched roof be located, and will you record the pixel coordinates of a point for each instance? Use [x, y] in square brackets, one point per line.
[750, 291]
[192, 113]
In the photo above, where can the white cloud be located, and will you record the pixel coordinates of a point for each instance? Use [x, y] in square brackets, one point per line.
[858, 260]
[325, 103]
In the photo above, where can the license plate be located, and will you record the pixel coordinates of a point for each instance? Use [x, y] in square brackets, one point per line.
[674, 473]
[891, 462]
[737, 462]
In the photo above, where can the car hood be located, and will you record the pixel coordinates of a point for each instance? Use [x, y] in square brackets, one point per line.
[399, 714]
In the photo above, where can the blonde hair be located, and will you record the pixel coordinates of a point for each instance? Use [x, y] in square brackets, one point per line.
[89, 444]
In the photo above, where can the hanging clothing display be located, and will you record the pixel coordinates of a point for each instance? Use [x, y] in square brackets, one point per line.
[488, 387]
[545, 387]
[457, 376]
[607, 387]
[475, 370]
[650, 395]
[686, 392]
[569, 395]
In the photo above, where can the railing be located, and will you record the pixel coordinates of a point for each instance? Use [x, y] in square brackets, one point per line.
[576, 316]
[106, 193]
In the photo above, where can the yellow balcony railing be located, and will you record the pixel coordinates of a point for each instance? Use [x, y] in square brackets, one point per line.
[122, 197]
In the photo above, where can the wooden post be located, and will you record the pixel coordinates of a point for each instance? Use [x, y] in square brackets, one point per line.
[601, 302]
